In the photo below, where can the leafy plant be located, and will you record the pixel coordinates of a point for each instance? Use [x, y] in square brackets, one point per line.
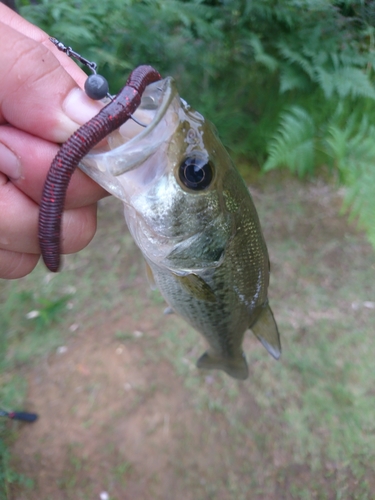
[347, 144]
[269, 74]
[353, 149]
[294, 143]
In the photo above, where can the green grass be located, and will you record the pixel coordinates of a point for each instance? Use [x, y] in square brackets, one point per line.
[40, 312]
[317, 403]
[12, 393]
[304, 423]
[22, 340]
[120, 472]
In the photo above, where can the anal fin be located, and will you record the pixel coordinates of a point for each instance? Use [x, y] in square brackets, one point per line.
[168, 310]
[265, 329]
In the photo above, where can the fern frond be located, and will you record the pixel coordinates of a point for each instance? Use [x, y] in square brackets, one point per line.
[326, 82]
[293, 144]
[356, 83]
[353, 148]
[260, 54]
[293, 56]
[292, 78]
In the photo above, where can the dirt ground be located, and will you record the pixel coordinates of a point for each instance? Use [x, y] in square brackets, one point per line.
[106, 413]
[120, 416]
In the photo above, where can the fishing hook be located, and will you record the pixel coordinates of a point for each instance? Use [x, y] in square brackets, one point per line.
[96, 86]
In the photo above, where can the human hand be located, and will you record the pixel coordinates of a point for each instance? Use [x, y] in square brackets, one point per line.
[41, 105]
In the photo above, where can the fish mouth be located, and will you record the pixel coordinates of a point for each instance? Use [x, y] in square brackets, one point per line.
[132, 144]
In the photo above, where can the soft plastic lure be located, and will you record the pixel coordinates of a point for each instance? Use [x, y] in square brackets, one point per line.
[77, 146]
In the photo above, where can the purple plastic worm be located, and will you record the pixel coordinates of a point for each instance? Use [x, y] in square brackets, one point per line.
[74, 149]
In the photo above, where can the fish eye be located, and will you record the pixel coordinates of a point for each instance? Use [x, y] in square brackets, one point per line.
[196, 173]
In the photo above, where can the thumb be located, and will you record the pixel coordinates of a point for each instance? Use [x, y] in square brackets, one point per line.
[37, 95]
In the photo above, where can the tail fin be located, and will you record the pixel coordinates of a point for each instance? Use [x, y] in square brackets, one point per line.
[235, 367]
[267, 332]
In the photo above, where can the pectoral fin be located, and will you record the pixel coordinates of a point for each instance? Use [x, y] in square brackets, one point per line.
[266, 330]
[205, 248]
[196, 287]
[235, 367]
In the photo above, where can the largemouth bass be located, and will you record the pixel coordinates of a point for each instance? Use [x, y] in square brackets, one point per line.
[192, 216]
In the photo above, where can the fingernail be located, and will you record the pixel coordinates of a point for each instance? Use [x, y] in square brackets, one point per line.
[80, 108]
[10, 164]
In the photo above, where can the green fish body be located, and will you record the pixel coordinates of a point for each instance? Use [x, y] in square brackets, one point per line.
[192, 216]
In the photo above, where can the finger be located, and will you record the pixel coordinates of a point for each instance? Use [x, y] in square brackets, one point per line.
[15, 265]
[18, 23]
[78, 228]
[19, 223]
[25, 159]
[36, 94]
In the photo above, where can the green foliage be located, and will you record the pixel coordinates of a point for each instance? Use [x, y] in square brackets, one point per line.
[293, 144]
[347, 144]
[353, 148]
[269, 74]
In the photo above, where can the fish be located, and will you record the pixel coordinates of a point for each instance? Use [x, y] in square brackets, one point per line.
[193, 218]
